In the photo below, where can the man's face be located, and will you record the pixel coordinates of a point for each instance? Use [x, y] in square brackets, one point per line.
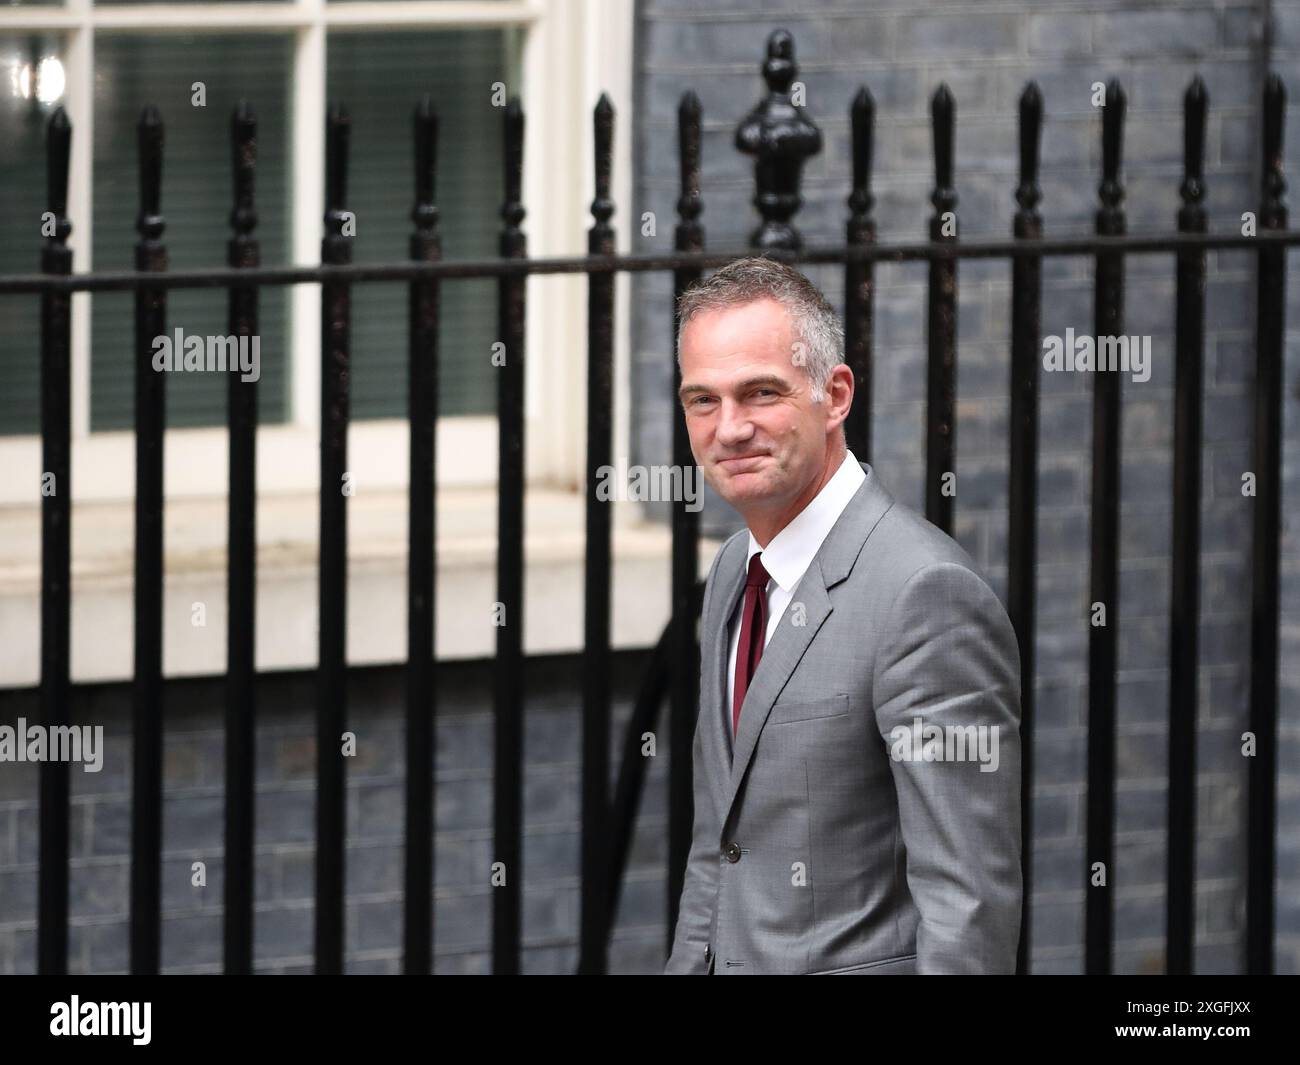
[755, 431]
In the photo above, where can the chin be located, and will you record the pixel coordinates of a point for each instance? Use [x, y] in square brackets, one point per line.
[744, 487]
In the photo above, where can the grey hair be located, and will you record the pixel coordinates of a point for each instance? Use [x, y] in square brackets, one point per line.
[814, 320]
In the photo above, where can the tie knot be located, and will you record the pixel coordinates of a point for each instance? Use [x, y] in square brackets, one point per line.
[757, 574]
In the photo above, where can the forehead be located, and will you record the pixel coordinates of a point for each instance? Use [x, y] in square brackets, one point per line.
[760, 329]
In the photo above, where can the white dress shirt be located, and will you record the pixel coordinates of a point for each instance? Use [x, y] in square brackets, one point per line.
[789, 554]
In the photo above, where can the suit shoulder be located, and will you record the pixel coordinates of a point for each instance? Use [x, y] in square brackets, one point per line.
[914, 543]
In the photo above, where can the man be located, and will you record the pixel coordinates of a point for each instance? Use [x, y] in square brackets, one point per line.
[857, 752]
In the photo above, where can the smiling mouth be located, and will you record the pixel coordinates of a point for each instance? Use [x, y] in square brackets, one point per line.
[740, 458]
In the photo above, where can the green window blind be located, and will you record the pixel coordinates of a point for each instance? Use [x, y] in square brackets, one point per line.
[132, 70]
[23, 116]
[380, 77]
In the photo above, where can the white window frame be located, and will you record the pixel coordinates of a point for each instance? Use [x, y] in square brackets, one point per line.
[572, 50]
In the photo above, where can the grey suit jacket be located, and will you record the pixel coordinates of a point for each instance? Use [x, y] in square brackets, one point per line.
[826, 841]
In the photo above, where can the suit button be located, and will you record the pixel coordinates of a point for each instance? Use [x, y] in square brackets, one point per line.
[731, 852]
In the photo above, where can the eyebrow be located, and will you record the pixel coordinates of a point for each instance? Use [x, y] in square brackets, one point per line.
[748, 383]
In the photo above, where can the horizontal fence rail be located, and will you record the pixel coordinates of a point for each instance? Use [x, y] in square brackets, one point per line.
[781, 136]
[812, 255]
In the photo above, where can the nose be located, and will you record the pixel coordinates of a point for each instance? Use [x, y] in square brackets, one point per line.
[734, 425]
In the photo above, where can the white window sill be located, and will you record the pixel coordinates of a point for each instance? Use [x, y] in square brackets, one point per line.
[195, 572]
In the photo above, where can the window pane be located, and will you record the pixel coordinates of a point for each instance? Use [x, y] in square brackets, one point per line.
[134, 70]
[31, 87]
[380, 77]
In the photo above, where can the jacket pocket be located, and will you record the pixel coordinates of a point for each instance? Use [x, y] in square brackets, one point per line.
[808, 709]
[865, 966]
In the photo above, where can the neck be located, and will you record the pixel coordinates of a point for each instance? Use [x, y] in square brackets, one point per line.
[765, 525]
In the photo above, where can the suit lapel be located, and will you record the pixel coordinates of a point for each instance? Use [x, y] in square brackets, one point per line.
[780, 656]
[831, 565]
[731, 576]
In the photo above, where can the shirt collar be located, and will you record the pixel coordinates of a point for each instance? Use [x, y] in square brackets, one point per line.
[790, 552]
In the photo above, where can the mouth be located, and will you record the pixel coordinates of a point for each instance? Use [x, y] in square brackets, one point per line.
[740, 462]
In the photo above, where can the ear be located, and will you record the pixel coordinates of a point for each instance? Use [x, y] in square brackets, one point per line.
[839, 396]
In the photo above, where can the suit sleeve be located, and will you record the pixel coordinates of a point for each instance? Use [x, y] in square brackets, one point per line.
[949, 658]
[695, 913]
[699, 886]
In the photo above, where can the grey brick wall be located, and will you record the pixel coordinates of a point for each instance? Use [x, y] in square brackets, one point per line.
[986, 52]
[285, 827]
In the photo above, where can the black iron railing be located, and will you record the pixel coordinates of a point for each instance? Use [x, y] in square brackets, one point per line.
[781, 136]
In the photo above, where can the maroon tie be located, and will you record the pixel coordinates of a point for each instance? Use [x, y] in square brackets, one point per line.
[753, 628]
